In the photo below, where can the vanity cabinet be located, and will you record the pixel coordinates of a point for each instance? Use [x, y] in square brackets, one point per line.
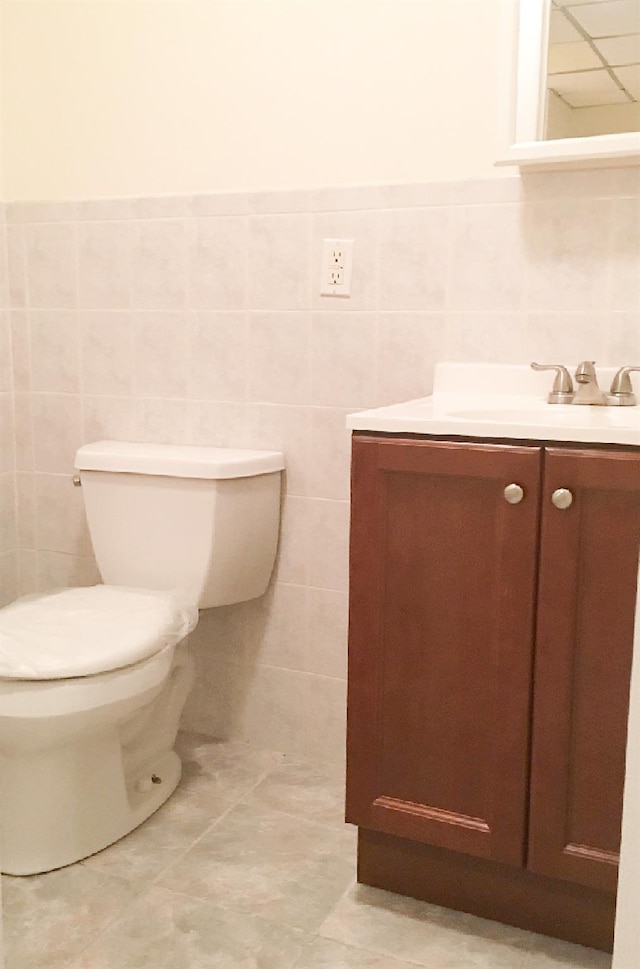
[490, 644]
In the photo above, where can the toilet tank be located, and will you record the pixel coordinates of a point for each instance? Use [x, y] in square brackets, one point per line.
[202, 521]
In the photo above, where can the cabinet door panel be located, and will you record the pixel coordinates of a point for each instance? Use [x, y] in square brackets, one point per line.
[588, 568]
[442, 586]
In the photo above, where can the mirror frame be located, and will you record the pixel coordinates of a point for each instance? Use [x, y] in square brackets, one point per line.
[526, 33]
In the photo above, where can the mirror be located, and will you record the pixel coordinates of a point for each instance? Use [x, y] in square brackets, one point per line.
[575, 97]
[593, 68]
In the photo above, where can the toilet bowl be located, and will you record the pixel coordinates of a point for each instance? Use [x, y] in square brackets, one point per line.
[93, 680]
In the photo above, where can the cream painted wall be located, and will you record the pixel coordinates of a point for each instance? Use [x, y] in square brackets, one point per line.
[130, 97]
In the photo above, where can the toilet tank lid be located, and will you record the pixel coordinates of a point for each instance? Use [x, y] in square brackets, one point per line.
[177, 460]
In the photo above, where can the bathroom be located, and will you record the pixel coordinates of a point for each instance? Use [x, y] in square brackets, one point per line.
[169, 172]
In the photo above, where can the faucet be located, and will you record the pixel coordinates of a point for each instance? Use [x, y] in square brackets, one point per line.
[588, 391]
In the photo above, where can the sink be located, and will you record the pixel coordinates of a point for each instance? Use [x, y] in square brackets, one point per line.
[502, 401]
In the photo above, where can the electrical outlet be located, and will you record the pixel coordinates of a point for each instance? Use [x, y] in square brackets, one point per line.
[337, 263]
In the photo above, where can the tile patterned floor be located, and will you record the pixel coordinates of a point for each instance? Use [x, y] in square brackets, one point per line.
[249, 866]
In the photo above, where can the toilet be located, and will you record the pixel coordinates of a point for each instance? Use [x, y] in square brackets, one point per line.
[93, 680]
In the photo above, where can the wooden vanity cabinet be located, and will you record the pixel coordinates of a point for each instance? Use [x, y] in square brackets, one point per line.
[489, 665]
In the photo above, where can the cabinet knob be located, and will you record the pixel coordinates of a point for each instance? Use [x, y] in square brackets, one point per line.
[562, 498]
[513, 493]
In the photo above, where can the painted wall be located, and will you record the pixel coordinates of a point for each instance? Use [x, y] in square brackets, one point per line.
[133, 97]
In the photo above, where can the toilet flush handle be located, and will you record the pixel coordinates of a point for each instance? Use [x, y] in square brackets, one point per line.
[77, 483]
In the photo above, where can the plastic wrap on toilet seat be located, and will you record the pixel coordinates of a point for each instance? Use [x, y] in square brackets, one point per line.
[83, 631]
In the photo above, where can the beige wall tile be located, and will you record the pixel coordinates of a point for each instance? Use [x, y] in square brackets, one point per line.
[279, 262]
[292, 563]
[567, 246]
[27, 572]
[20, 350]
[61, 524]
[488, 258]
[9, 581]
[625, 256]
[217, 263]
[8, 426]
[26, 496]
[326, 644]
[104, 265]
[498, 337]
[16, 265]
[108, 418]
[328, 552]
[8, 524]
[343, 359]
[22, 424]
[298, 712]
[278, 358]
[50, 251]
[55, 351]
[409, 346]
[158, 270]
[219, 356]
[285, 428]
[329, 463]
[623, 339]
[107, 352]
[415, 246]
[57, 431]
[160, 420]
[217, 424]
[57, 570]
[6, 368]
[161, 349]
[572, 337]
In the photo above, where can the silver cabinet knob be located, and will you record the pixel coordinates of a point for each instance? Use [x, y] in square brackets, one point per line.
[513, 493]
[562, 498]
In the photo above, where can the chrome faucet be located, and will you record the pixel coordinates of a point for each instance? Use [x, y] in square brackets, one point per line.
[588, 392]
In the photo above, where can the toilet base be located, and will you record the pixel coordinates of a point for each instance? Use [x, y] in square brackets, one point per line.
[50, 850]
[73, 785]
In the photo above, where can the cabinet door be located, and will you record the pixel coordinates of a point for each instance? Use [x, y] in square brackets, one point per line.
[440, 649]
[588, 569]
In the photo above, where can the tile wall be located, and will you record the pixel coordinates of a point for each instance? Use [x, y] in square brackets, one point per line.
[198, 320]
[8, 530]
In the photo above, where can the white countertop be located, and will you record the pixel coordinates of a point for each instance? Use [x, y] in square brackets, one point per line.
[503, 401]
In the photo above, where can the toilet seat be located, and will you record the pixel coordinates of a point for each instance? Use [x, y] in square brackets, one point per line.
[81, 632]
[40, 699]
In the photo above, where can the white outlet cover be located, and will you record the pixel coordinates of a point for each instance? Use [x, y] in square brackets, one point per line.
[337, 266]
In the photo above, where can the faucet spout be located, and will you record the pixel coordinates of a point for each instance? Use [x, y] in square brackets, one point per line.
[588, 391]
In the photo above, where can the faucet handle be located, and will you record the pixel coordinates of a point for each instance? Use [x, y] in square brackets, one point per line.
[562, 390]
[622, 388]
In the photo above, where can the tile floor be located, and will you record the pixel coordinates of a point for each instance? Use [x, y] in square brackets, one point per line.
[249, 866]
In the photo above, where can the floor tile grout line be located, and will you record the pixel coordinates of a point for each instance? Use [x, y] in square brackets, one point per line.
[234, 803]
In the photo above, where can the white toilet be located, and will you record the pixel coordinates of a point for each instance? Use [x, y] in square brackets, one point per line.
[93, 680]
